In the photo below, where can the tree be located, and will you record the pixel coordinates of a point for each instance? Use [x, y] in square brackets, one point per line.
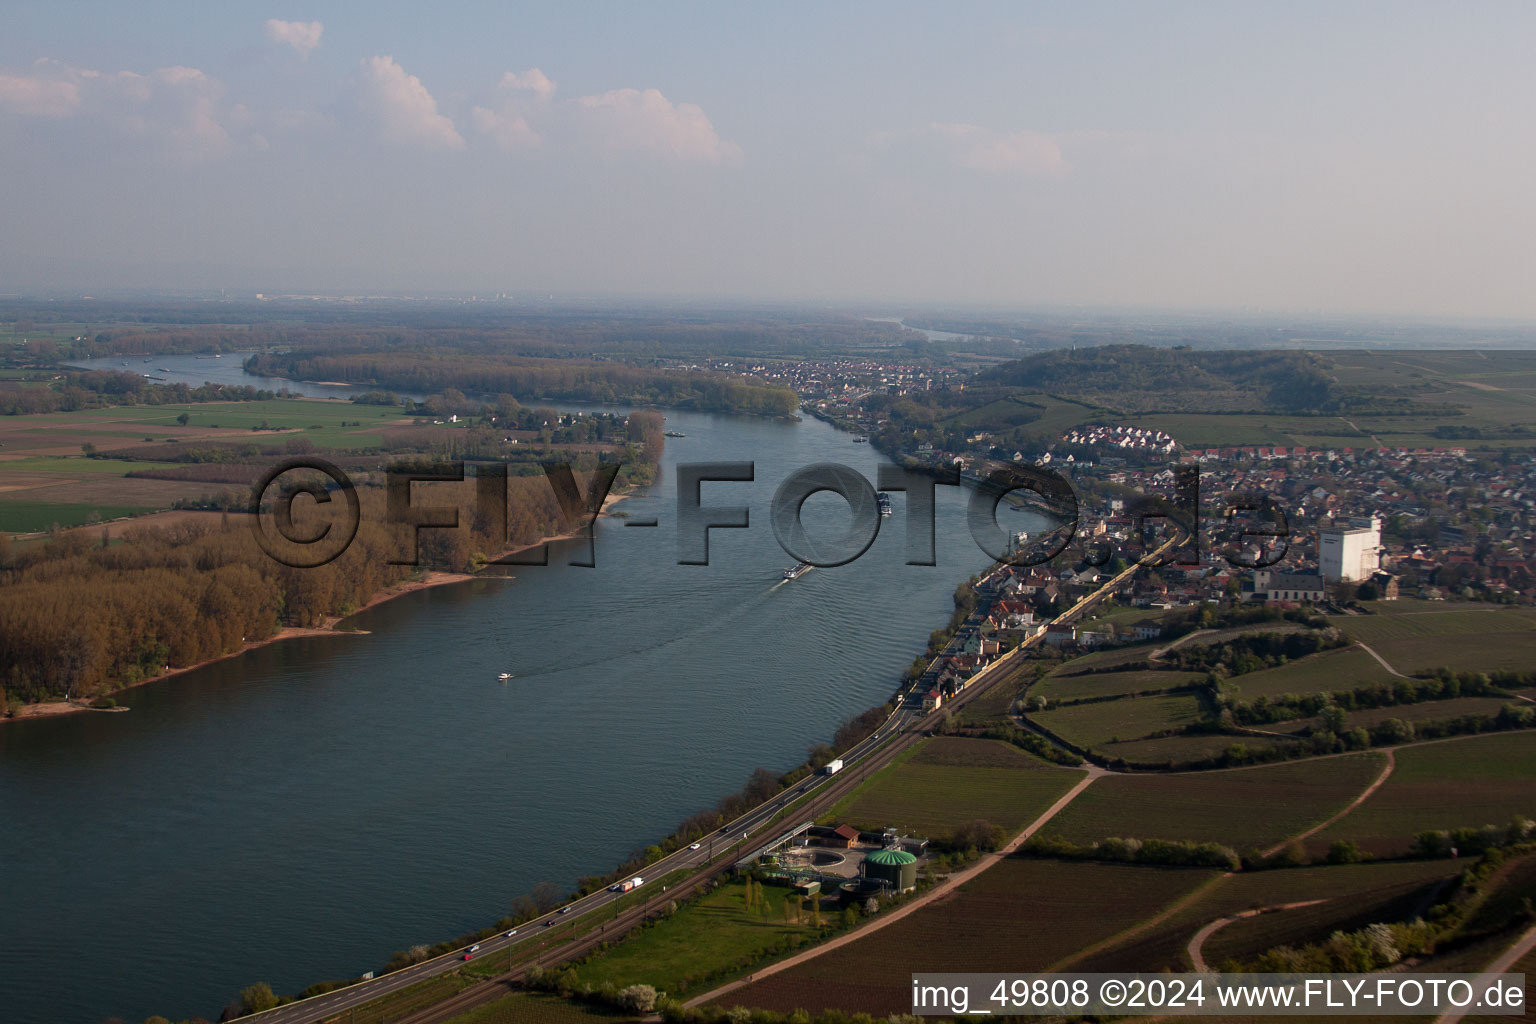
[257, 998]
[184, 418]
[636, 998]
[1343, 851]
[546, 896]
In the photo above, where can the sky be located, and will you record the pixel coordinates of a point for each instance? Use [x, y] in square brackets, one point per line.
[1332, 157]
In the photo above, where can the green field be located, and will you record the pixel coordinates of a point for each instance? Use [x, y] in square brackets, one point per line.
[1343, 668]
[1382, 631]
[702, 943]
[319, 420]
[1475, 781]
[1023, 914]
[1057, 688]
[947, 781]
[1175, 751]
[35, 516]
[1100, 660]
[1105, 722]
[1423, 636]
[1246, 808]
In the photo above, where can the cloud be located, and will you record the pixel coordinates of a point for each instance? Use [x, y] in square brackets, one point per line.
[401, 107]
[648, 122]
[176, 110]
[38, 95]
[981, 149]
[303, 36]
[533, 80]
[505, 122]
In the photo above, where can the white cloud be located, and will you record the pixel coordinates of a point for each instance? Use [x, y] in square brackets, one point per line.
[401, 107]
[303, 36]
[39, 95]
[506, 127]
[981, 149]
[648, 122]
[178, 110]
[533, 80]
[505, 123]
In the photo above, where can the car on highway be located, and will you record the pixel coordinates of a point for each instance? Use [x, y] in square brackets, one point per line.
[565, 910]
[475, 948]
[469, 956]
[695, 846]
[550, 923]
[511, 933]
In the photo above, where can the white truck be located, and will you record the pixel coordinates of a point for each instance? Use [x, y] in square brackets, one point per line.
[833, 766]
[631, 883]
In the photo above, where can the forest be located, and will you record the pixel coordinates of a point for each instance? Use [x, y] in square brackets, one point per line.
[81, 617]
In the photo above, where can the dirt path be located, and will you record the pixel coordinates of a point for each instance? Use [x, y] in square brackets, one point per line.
[949, 885]
[1523, 945]
[1157, 655]
[1379, 659]
[1197, 943]
[1365, 795]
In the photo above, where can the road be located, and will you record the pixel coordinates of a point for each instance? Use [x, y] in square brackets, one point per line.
[728, 843]
[905, 726]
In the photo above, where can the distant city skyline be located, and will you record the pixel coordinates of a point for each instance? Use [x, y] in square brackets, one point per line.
[1369, 159]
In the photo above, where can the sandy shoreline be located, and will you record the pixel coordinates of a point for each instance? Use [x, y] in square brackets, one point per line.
[50, 709]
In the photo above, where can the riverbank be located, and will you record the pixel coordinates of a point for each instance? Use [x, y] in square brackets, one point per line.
[328, 627]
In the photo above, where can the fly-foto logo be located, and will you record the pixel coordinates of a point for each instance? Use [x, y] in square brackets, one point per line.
[332, 512]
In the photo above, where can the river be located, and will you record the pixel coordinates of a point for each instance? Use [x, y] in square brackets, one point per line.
[303, 811]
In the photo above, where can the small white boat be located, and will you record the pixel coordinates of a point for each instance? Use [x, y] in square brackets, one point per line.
[505, 676]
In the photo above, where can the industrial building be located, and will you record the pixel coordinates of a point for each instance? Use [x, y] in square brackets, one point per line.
[1351, 553]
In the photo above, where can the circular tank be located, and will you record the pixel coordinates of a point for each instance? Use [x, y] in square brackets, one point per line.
[857, 891]
[896, 868]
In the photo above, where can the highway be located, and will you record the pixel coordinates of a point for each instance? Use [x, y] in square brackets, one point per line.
[728, 840]
[859, 762]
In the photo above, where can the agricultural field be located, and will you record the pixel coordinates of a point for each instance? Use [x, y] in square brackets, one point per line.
[1480, 638]
[36, 516]
[1020, 915]
[1106, 722]
[1380, 889]
[948, 781]
[1032, 412]
[1057, 688]
[46, 480]
[1428, 711]
[537, 1008]
[1464, 782]
[1100, 660]
[1492, 397]
[1343, 668]
[704, 942]
[1245, 808]
[1172, 751]
[1383, 631]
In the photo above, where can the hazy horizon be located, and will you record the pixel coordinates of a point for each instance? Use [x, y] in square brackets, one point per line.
[1371, 161]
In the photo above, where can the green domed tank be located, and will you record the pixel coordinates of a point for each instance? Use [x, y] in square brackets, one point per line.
[896, 868]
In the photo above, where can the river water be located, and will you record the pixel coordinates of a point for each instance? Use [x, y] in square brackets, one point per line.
[304, 810]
